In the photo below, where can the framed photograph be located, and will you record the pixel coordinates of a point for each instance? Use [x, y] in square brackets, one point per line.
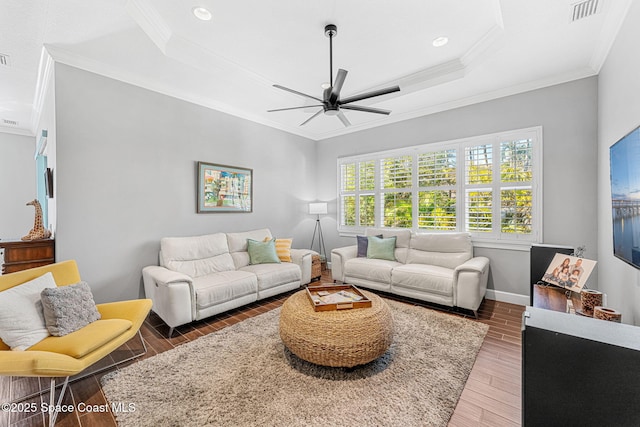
[569, 272]
[223, 188]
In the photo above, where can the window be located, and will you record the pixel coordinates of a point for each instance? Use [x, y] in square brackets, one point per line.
[488, 185]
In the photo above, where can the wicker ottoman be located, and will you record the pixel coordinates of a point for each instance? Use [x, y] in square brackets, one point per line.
[343, 338]
[316, 267]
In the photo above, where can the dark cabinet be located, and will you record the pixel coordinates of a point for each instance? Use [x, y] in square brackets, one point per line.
[20, 255]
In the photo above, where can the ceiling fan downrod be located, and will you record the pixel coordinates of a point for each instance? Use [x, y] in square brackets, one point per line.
[330, 31]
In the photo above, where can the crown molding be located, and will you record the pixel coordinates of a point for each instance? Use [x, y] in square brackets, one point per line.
[150, 21]
[464, 102]
[66, 57]
[613, 23]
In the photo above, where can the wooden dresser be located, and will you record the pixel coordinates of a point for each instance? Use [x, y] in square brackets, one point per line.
[20, 255]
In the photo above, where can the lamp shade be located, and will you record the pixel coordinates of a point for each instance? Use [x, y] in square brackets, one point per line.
[318, 208]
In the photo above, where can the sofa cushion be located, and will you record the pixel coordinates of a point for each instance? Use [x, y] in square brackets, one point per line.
[196, 256]
[68, 308]
[83, 341]
[272, 275]
[377, 270]
[445, 250]
[224, 286]
[237, 243]
[426, 278]
[378, 248]
[262, 252]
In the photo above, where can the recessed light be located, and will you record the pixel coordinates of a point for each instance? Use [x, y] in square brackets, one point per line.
[440, 41]
[202, 13]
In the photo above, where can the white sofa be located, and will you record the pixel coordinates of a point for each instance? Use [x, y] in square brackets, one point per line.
[202, 276]
[434, 267]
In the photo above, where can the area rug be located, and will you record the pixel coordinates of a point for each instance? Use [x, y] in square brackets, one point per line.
[244, 376]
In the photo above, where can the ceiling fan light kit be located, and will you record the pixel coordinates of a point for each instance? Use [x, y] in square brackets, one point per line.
[331, 102]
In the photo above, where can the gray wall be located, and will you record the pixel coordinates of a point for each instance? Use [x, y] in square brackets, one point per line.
[568, 114]
[126, 177]
[618, 114]
[17, 185]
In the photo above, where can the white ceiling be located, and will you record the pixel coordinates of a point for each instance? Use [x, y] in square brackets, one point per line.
[496, 48]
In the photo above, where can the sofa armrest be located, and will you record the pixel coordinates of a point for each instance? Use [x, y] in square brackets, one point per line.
[338, 258]
[172, 294]
[302, 257]
[478, 264]
[471, 283]
[164, 276]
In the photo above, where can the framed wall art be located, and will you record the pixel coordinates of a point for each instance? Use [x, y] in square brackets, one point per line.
[223, 188]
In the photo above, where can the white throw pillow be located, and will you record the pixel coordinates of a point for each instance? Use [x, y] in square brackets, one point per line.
[21, 318]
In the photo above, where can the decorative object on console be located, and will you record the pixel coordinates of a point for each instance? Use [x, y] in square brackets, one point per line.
[223, 188]
[590, 299]
[318, 209]
[331, 102]
[38, 232]
[604, 313]
[568, 272]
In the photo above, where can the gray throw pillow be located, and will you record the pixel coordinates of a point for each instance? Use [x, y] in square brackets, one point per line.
[68, 308]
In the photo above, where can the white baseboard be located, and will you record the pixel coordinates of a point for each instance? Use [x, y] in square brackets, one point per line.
[508, 297]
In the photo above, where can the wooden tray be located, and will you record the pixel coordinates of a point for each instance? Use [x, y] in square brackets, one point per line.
[332, 299]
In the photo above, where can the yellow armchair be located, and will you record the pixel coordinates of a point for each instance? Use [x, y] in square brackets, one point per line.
[71, 354]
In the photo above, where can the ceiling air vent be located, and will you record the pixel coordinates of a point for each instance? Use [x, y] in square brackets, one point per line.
[12, 123]
[584, 9]
[4, 60]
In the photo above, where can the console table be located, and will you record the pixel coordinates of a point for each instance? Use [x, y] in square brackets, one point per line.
[20, 255]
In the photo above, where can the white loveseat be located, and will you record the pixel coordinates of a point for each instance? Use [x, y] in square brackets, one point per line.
[435, 267]
[202, 276]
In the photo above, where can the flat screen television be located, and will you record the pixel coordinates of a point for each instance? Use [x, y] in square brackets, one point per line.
[624, 158]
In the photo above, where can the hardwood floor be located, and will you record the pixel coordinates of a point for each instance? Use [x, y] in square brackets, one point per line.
[491, 396]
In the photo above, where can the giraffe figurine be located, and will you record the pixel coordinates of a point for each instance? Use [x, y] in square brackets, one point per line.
[38, 231]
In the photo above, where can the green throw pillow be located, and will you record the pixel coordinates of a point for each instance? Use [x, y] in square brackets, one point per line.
[381, 248]
[262, 252]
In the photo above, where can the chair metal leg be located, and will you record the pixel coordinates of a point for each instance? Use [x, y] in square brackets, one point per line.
[170, 331]
[52, 397]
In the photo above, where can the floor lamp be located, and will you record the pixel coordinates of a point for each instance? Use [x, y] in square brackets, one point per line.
[318, 209]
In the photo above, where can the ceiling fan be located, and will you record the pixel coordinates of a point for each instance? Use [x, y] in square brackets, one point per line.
[331, 103]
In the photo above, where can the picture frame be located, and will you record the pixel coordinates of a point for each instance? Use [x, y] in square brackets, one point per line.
[568, 272]
[224, 188]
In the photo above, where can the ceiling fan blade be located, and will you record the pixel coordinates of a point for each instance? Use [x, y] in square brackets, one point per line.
[297, 93]
[311, 118]
[369, 95]
[344, 119]
[293, 108]
[366, 109]
[337, 86]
